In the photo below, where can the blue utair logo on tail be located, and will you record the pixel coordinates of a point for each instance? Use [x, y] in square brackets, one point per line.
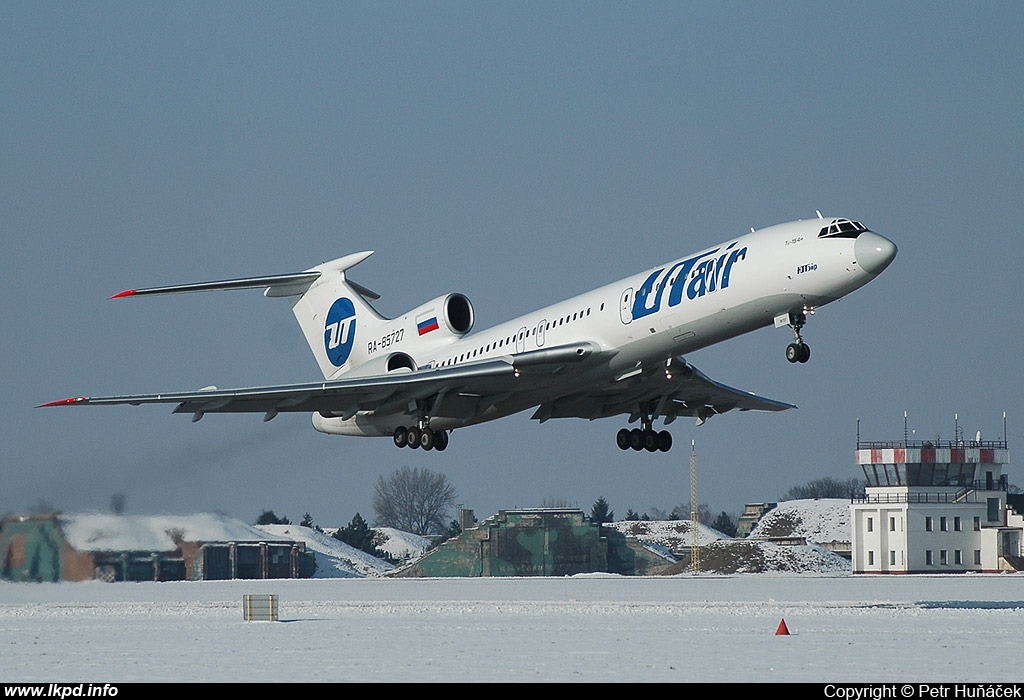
[340, 331]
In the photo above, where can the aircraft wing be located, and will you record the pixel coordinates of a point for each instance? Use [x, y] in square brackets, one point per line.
[461, 391]
[466, 391]
[664, 391]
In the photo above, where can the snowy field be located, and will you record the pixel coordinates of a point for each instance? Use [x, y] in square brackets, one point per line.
[598, 628]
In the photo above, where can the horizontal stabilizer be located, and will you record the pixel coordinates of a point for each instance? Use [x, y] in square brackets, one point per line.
[288, 284]
[298, 279]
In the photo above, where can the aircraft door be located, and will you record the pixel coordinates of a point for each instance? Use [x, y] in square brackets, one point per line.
[626, 306]
[540, 332]
[521, 340]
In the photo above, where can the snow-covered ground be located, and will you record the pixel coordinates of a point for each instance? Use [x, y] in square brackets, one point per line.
[819, 520]
[335, 559]
[596, 628]
[352, 623]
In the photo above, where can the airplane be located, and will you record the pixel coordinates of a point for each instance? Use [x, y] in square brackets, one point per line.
[616, 350]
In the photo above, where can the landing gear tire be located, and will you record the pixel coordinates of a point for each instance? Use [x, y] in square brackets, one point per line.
[636, 439]
[798, 352]
[639, 439]
[622, 439]
[428, 439]
[424, 438]
[400, 436]
[413, 438]
[650, 441]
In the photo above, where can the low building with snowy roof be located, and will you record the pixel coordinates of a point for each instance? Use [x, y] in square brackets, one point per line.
[61, 547]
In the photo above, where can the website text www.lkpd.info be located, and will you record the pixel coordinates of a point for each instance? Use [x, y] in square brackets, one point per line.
[60, 690]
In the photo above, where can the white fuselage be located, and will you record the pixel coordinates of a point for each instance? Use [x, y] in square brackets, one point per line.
[669, 310]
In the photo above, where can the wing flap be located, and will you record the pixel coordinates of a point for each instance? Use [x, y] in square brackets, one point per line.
[665, 391]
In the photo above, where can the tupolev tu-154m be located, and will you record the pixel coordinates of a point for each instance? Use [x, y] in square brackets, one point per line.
[616, 350]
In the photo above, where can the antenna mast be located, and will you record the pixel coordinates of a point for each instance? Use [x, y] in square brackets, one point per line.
[694, 519]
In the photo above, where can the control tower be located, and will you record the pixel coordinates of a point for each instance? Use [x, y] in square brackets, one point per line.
[934, 507]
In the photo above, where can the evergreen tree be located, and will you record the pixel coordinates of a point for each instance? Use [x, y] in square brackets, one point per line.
[117, 503]
[453, 530]
[631, 515]
[360, 535]
[307, 521]
[725, 524]
[267, 517]
[600, 513]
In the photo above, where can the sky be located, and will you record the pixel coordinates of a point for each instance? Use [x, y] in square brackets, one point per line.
[518, 153]
[905, 631]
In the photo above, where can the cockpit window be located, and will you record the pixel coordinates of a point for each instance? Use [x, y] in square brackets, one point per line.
[843, 228]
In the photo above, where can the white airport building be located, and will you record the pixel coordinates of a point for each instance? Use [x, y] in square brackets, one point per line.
[934, 508]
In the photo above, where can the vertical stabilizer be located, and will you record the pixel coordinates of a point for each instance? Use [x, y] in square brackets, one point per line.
[332, 312]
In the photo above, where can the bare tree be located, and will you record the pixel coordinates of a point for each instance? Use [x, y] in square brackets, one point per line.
[828, 487]
[413, 500]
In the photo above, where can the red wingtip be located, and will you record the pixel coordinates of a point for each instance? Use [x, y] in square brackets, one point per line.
[125, 293]
[64, 402]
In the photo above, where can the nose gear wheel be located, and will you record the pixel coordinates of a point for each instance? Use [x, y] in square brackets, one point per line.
[798, 351]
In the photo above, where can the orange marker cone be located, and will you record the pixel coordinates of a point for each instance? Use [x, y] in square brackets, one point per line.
[782, 628]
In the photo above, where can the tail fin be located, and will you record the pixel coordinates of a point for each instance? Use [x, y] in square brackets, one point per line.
[327, 305]
[329, 309]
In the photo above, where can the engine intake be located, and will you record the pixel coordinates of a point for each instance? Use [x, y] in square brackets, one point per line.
[399, 361]
[458, 313]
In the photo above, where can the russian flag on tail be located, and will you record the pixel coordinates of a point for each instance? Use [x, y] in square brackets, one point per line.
[426, 322]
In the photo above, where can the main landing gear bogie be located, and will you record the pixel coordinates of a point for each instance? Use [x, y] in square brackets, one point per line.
[648, 439]
[423, 438]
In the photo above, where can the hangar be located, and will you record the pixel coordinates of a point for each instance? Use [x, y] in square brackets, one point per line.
[59, 547]
[537, 542]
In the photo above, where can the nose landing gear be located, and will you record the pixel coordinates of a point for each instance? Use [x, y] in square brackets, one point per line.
[798, 351]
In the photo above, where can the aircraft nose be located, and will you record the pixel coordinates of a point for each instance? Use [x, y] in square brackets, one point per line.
[874, 252]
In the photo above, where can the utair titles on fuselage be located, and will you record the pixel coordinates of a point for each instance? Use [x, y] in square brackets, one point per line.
[616, 350]
[709, 274]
